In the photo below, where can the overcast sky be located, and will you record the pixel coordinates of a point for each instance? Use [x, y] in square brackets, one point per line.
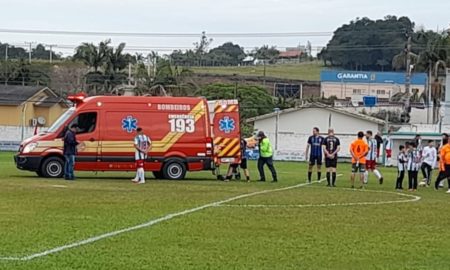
[195, 16]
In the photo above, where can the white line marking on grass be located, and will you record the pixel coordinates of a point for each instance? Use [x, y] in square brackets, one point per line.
[149, 223]
[412, 198]
[58, 186]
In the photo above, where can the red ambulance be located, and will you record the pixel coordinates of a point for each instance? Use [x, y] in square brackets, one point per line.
[186, 136]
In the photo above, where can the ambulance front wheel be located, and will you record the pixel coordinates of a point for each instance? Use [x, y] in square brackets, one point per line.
[52, 167]
[174, 170]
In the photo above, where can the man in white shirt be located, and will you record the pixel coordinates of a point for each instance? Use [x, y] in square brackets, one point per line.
[142, 144]
[388, 146]
[429, 157]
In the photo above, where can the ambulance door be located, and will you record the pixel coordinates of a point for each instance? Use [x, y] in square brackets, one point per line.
[226, 131]
[88, 136]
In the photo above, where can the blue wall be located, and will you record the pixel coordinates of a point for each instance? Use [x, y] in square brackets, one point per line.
[371, 77]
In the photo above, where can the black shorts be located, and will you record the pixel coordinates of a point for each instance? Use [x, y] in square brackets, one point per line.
[313, 160]
[330, 162]
[242, 165]
[361, 168]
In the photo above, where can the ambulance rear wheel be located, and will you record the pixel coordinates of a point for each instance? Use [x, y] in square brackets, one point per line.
[53, 167]
[174, 170]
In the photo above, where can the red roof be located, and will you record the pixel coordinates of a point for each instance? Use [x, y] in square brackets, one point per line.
[290, 54]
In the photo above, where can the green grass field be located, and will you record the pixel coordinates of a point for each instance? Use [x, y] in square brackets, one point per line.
[308, 227]
[309, 71]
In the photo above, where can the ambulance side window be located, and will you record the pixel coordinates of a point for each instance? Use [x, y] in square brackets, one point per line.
[86, 122]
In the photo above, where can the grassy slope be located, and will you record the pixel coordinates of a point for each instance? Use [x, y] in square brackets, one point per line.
[303, 71]
[35, 215]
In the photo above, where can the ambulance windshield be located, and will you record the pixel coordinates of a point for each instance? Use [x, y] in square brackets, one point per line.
[61, 120]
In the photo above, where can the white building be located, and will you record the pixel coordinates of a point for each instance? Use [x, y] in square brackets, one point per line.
[289, 129]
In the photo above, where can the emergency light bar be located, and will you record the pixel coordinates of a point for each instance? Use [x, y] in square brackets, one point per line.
[77, 98]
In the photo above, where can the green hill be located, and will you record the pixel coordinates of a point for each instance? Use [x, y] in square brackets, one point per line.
[304, 71]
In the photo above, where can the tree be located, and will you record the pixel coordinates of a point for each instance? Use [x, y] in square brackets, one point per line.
[40, 52]
[367, 44]
[253, 100]
[267, 53]
[91, 55]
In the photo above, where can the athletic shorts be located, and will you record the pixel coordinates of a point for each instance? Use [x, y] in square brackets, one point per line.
[371, 164]
[242, 165]
[140, 163]
[360, 168]
[331, 162]
[313, 160]
[388, 153]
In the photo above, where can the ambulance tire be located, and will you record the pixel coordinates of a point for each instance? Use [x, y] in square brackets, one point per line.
[39, 173]
[52, 167]
[174, 169]
[158, 174]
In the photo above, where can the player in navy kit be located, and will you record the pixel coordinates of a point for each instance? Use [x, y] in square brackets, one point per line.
[315, 156]
[331, 147]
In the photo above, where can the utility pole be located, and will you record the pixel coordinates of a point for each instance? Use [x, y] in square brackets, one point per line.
[29, 52]
[6, 52]
[51, 51]
[408, 74]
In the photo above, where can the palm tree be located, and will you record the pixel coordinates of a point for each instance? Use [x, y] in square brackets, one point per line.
[93, 56]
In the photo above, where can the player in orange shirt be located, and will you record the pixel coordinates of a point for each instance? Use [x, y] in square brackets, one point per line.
[444, 164]
[358, 150]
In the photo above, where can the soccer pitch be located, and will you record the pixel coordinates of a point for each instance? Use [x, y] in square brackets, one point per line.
[103, 221]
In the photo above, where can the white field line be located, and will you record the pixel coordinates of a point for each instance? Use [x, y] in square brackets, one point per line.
[148, 224]
[412, 198]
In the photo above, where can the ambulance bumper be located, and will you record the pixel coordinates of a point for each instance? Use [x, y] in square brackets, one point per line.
[27, 163]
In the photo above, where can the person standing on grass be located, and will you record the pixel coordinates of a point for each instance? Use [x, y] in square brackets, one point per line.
[142, 144]
[243, 165]
[70, 151]
[379, 143]
[442, 175]
[358, 151]
[413, 166]
[265, 157]
[371, 158]
[402, 161]
[315, 156]
[444, 141]
[388, 144]
[445, 157]
[331, 147]
[429, 157]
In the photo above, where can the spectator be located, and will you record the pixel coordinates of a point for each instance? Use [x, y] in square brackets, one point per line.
[70, 151]
[265, 157]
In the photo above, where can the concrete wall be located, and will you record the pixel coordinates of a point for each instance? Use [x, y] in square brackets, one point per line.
[11, 136]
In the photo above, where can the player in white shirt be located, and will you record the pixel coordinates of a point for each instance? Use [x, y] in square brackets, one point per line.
[371, 158]
[142, 144]
[402, 161]
[413, 166]
[388, 146]
[429, 158]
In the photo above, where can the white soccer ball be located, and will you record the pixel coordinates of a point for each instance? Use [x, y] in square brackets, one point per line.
[422, 184]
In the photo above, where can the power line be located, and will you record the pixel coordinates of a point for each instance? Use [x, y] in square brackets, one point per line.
[186, 35]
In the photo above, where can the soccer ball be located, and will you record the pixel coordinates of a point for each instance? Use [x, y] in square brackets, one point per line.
[422, 184]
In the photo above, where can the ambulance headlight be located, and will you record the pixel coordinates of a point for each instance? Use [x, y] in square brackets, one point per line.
[29, 148]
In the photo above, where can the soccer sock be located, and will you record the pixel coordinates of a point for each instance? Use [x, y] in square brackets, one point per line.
[319, 175]
[309, 176]
[377, 173]
[328, 178]
[334, 178]
[366, 177]
[141, 174]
